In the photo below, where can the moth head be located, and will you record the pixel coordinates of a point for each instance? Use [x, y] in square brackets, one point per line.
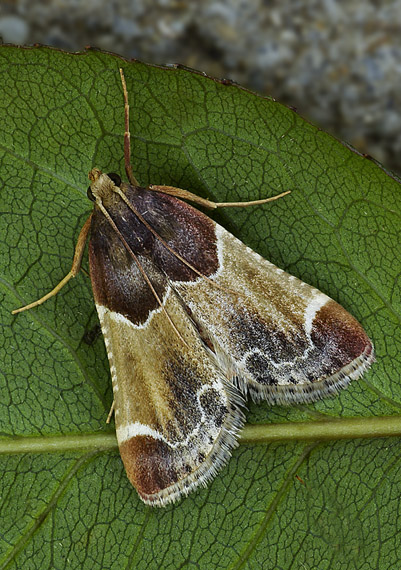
[102, 185]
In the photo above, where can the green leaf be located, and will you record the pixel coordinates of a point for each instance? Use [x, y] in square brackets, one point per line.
[66, 502]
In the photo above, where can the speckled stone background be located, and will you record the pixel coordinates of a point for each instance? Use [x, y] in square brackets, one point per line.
[338, 62]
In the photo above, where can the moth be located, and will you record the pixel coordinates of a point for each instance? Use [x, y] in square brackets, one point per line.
[194, 322]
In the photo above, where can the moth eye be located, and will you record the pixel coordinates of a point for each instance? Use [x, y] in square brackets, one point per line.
[115, 178]
[90, 195]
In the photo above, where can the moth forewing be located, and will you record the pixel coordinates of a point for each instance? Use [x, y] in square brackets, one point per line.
[177, 412]
[193, 322]
[287, 341]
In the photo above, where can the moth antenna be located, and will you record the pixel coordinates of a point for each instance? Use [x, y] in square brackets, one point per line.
[171, 190]
[139, 265]
[75, 267]
[127, 135]
[177, 192]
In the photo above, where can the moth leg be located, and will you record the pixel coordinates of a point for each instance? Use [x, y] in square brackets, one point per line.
[127, 135]
[186, 195]
[75, 267]
[110, 412]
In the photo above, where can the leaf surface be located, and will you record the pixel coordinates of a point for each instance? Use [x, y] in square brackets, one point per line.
[285, 504]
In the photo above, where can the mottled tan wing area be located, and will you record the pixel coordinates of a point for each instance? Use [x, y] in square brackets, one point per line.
[286, 340]
[176, 411]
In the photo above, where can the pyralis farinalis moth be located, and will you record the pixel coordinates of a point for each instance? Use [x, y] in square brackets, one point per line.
[194, 322]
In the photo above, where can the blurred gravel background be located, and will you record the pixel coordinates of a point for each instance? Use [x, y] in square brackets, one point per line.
[338, 62]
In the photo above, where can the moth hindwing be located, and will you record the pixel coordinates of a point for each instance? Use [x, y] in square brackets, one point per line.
[193, 322]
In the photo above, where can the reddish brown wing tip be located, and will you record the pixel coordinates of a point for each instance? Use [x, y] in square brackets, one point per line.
[148, 464]
[163, 473]
[338, 333]
[343, 352]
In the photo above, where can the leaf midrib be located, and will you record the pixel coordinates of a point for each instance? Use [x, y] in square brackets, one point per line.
[326, 430]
